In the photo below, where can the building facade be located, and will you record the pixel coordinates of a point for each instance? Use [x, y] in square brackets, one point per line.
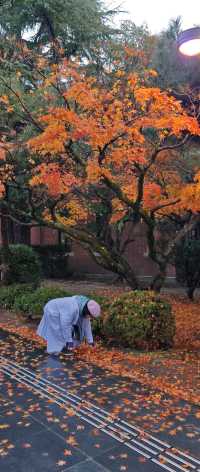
[80, 262]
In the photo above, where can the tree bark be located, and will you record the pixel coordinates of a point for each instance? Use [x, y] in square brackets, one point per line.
[159, 279]
[4, 267]
[190, 293]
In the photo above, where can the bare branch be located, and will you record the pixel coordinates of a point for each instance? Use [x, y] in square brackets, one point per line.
[38, 126]
[102, 152]
[164, 205]
[19, 222]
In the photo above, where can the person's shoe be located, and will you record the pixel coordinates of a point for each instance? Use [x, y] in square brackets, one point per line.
[65, 350]
[54, 354]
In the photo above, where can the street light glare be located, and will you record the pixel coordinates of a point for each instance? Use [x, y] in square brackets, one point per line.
[188, 42]
[190, 48]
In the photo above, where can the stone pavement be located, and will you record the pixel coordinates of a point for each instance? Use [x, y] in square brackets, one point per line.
[60, 414]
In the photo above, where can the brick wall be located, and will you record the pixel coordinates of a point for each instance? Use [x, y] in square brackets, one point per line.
[44, 236]
[81, 262]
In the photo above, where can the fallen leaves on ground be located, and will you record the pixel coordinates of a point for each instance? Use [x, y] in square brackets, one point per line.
[175, 372]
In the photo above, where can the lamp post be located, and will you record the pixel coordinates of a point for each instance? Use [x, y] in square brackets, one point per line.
[189, 42]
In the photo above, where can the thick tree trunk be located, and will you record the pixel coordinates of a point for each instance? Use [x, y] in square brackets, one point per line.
[159, 279]
[190, 293]
[4, 267]
[117, 264]
[192, 285]
[130, 278]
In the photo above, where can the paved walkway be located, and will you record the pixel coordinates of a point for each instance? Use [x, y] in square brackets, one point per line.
[62, 415]
[89, 286]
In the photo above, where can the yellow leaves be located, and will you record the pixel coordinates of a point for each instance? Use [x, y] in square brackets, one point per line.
[70, 412]
[153, 73]
[71, 440]
[57, 182]
[4, 99]
[145, 94]
[76, 212]
[111, 126]
[93, 171]
[190, 195]
[59, 115]
[50, 141]
[120, 73]
[136, 135]
[133, 80]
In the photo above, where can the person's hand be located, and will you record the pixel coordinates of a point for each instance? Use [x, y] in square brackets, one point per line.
[70, 346]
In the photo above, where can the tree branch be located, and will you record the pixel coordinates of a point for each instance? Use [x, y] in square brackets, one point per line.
[37, 125]
[164, 205]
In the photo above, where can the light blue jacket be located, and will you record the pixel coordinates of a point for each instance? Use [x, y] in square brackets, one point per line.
[60, 315]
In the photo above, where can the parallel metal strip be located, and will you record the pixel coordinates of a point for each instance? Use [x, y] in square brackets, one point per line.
[52, 384]
[120, 423]
[179, 459]
[68, 396]
[44, 394]
[166, 459]
[26, 377]
[181, 453]
[140, 431]
[23, 378]
[117, 430]
[164, 466]
[72, 397]
[64, 397]
[42, 391]
[51, 395]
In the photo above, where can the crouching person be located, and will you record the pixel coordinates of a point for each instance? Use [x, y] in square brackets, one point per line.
[66, 322]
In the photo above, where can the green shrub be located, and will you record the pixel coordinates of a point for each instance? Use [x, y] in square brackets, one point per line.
[98, 323]
[140, 320]
[24, 265]
[8, 294]
[32, 304]
[54, 261]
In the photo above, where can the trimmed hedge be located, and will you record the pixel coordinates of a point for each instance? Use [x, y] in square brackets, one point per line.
[24, 265]
[140, 320]
[23, 299]
[136, 320]
[8, 294]
[32, 304]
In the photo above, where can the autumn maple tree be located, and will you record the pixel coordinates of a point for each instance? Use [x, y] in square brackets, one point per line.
[101, 160]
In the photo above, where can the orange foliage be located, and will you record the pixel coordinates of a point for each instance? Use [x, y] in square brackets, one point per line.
[113, 125]
[53, 178]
